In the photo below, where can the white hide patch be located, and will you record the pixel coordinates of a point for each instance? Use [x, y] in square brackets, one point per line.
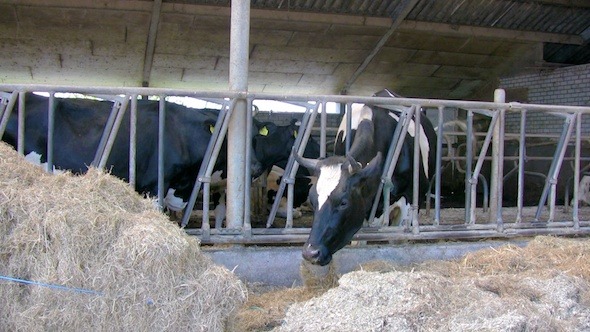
[272, 179]
[35, 159]
[424, 146]
[584, 190]
[399, 213]
[327, 182]
[359, 113]
[172, 202]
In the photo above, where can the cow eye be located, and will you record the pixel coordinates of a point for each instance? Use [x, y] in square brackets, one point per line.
[263, 131]
[343, 204]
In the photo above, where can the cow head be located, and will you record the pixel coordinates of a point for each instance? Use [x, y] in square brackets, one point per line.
[341, 199]
[272, 144]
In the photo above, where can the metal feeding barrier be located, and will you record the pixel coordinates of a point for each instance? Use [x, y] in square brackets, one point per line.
[482, 213]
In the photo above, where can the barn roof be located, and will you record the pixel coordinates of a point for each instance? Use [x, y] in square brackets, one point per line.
[455, 49]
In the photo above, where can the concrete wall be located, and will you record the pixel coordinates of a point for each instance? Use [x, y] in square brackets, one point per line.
[561, 86]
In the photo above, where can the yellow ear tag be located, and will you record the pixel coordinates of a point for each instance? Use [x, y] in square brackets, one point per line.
[294, 133]
[211, 128]
[263, 131]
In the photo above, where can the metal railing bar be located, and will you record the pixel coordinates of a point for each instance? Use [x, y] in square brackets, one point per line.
[206, 168]
[7, 111]
[20, 145]
[416, 172]
[554, 169]
[50, 131]
[476, 172]
[161, 148]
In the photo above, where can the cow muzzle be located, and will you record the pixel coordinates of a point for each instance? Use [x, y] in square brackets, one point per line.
[316, 255]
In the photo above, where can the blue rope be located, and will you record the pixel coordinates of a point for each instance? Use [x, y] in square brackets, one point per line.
[29, 282]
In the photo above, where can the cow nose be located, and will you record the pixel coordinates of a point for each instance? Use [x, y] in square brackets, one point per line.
[311, 254]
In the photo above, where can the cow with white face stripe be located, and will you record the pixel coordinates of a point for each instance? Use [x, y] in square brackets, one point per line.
[346, 186]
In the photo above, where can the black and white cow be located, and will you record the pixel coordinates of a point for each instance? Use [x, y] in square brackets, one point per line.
[79, 124]
[272, 145]
[346, 186]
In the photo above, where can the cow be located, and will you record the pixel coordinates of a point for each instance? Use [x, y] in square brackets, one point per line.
[272, 145]
[79, 124]
[346, 185]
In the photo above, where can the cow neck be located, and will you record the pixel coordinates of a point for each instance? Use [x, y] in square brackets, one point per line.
[362, 148]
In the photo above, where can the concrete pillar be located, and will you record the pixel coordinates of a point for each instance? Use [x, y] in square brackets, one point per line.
[238, 81]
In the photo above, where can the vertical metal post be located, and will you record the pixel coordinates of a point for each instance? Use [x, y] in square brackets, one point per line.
[437, 180]
[133, 140]
[323, 122]
[500, 156]
[348, 138]
[161, 147]
[20, 145]
[521, 155]
[497, 169]
[248, 172]
[238, 81]
[468, 165]
[577, 156]
[50, 130]
[416, 168]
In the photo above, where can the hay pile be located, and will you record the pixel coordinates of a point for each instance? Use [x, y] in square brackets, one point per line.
[94, 233]
[544, 286]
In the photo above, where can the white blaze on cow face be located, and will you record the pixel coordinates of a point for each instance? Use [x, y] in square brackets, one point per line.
[359, 113]
[424, 146]
[327, 182]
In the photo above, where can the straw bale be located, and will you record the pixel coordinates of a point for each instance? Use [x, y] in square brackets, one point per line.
[95, 233]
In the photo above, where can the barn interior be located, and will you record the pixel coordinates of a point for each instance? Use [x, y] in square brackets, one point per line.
[453, 50]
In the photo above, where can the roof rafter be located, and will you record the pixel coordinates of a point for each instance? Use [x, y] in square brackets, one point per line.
[151, 43]
[398, 18]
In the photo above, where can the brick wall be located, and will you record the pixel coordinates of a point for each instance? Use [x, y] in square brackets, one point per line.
[562, 86]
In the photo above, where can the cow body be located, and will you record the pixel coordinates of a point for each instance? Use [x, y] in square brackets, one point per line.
[346, 186]
[79, 124]
[272, 145]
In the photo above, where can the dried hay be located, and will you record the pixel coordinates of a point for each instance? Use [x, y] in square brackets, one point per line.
[265, 309]
[541, 287]
[94, 233]
[319, 277]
